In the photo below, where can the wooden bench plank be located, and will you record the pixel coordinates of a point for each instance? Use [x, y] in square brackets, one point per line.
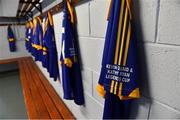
[54, 96]
[41, 108]
[53, 112]
[30, 106]
[16, 60]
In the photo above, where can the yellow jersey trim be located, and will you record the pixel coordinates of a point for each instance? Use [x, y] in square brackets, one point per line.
[38, 47]
[11, 39]
[109, 11]
[112, 86]
[27, 25]
[45, 26]
[27, 39]
[50, 19]
[40, 21]
[101, 90]
[115, 88]
[127, 44]
[120, 89]
[119, 33]
[44, 49]
[70, 11]
[129, 7]
[133, 95]
[123, 36]
[68, 62]
[31, 24]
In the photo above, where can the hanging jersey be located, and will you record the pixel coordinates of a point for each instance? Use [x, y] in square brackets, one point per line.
[44, 47]
[50, 47]
[30, 37]
[26, 35]
[11, 39]
[118, 82]
[37, 39]
[119, 73]
[71, 73]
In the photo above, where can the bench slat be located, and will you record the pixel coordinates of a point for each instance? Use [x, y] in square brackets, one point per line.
[53, 112]
[54, 96]
[41, 108]
[30, 106]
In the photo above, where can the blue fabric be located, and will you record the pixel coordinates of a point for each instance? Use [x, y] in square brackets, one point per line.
[37, 40]
[45, 54]
[71, 75]
[114, 108]
[110, 43]
[51, 60]
[12, 45]
[119, 74]
[30, 37]
[26, 38]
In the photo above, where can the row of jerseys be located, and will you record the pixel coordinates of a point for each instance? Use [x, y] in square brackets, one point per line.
[40, 42]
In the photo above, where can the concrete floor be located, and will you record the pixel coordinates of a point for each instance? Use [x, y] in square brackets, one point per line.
[12, 104]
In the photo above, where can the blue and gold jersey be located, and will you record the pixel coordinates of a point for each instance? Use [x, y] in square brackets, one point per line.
[11, 39]
[37, 39]
[30, 37]
[26, 35]
[49, 48]
[71, 73]
[118, 82]
[44, 47]
[119, 73]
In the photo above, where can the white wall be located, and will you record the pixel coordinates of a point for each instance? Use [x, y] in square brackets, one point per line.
[157, 24]
[19, 32]
[1, 8]
[8, 7]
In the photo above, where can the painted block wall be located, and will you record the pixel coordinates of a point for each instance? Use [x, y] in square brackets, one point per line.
[157, 28]
[8, 8]
[19, 32]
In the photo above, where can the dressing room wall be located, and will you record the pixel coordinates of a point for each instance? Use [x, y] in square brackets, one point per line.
[4, 45]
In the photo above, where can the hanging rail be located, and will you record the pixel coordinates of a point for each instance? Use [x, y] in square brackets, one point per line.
[59, 7]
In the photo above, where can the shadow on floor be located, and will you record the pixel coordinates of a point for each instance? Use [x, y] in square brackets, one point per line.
[12, 104]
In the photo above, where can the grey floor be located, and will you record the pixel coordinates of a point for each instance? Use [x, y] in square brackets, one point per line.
[12, 104]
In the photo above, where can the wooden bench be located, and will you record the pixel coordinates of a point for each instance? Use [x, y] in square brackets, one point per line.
[42, 101]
